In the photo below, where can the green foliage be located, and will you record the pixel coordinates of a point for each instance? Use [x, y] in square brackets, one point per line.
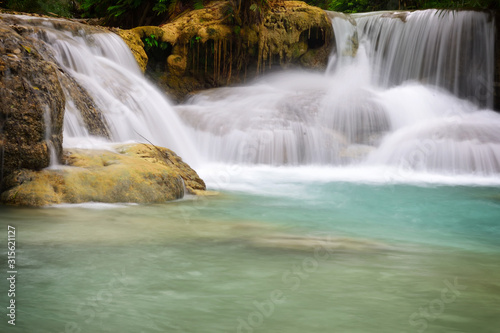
[349, 6]
[194, 40]
[152, 42]
[460, 4]
[64, 8]
[354, 6]
[129, 13]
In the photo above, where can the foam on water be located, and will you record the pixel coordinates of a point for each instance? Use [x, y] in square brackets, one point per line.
[93, 205]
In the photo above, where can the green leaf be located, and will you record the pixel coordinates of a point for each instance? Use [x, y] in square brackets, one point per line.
[198, 4]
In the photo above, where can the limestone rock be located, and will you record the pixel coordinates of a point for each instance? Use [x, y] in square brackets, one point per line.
[133, 40]
[34, 92]
[206, 49]
[32, 105]
[135, 173]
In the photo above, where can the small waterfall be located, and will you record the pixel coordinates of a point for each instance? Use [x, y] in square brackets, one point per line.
[133, 109]
[459, 144]
[448, 49]
[346, 40]
[48, 139]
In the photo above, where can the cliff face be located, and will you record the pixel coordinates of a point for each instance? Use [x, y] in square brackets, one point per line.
[497, 62]
[32, 105]
[205, 49]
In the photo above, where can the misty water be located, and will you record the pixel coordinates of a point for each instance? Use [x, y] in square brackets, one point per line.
[362, 199]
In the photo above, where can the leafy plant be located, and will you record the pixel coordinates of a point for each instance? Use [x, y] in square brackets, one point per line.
[130, 13]
[152, 42]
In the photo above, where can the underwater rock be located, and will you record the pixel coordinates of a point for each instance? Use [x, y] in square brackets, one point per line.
[137, 173]
[318, 244]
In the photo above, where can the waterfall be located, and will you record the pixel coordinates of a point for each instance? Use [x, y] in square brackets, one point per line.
[132, 108]
[409, 90]
[404, 89]
[449, 49]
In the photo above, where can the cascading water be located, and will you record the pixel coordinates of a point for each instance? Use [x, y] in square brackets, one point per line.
[132, 108]
[449, 49]
[397, 82]
[401, 90]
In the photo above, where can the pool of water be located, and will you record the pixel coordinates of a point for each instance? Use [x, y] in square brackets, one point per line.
[289, 255]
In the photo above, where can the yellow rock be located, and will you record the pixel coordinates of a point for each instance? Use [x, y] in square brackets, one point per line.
[207, 48]
[137, 173]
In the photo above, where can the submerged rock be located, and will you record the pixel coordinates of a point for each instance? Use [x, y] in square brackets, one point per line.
[318, 244]
[136, 173]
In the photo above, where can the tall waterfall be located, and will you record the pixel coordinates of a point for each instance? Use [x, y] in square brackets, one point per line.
[403, 89]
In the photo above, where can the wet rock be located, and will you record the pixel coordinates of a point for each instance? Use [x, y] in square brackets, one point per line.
[318, 244]
[34, 93]
[32, 105]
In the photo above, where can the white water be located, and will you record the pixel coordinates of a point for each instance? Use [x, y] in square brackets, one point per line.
[410, 98]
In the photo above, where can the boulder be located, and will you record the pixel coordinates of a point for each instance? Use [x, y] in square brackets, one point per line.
[137, 173]
[32, 105]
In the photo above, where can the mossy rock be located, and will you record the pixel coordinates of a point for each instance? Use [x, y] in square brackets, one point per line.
[135, 173]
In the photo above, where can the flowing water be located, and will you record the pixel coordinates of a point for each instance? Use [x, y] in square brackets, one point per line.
[362, 199]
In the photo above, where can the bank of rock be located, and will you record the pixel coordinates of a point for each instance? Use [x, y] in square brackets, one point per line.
[136, 173]
[33, 94]
[205, 48]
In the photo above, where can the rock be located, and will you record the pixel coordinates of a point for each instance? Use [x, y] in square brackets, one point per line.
[205, 49]
[32, 105]
[133, 38]
[497, 63]
[80, 99]
[319, 244]
[34, 91]
[136, 173]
